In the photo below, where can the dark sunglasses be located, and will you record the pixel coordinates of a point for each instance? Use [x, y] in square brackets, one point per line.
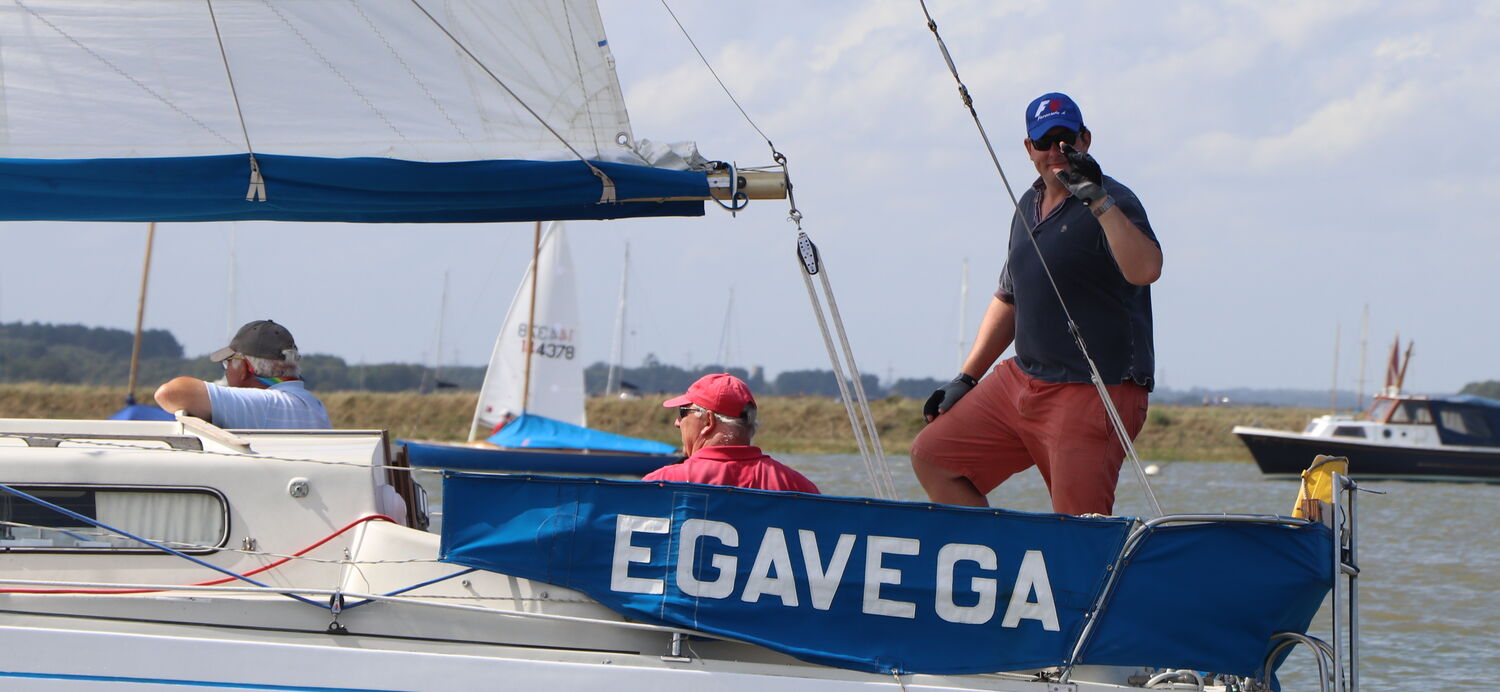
[1050, 139]
[683, 411]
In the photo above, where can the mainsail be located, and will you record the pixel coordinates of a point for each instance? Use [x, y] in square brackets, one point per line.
[369, 111]
[556, 367]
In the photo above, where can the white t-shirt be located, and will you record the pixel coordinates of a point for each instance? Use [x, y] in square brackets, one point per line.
[285, 405]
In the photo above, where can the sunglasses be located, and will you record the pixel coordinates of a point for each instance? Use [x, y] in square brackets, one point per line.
[1050, 139]
[683, 411]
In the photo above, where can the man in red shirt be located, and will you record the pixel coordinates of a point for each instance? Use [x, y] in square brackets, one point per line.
[717, 420]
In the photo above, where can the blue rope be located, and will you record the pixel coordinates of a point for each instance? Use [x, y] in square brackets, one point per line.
[95, 522]
[398, 592]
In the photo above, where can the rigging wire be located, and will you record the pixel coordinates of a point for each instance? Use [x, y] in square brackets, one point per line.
[608, 196]
[862, 423]
[257, 190]
[1098, 380]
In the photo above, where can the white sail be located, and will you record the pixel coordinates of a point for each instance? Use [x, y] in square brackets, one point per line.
[556, 389]
[146, 78]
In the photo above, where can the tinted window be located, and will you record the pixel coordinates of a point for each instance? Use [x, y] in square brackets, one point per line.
[189, 519]
[1464, 422]
[1417, 412]
[1349, 431]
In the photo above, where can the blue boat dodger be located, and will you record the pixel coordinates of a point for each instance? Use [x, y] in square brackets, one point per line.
[892, 586]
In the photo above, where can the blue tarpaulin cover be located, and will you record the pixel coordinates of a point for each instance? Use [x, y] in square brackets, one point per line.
[865, 584]
[1209, 596]
[142, 412]
[359, 190]
[530, 431]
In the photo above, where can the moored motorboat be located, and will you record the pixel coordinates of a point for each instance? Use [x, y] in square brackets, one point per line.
[1401, 436]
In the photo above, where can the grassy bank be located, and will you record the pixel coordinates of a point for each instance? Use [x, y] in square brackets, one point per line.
[788, 424]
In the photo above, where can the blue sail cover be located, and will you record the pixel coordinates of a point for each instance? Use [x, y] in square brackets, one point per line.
[1209, 596]
[530, 431]
[864, 584]
[360, 190]
[142, 412]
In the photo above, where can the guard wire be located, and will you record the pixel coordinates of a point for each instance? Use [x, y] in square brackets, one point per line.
[1094, 376]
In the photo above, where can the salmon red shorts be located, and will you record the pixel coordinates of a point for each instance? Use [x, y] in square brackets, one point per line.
[1012, 421]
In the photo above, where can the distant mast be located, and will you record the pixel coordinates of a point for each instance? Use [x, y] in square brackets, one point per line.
[1333, 392]
[617, 350]
[140, 316]
[436, 370]
[1364, 339]
[725, 334]
[963, 315]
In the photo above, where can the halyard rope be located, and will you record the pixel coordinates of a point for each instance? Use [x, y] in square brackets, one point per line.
[861, 421]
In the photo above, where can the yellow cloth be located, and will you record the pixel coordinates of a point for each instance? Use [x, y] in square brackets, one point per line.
[1317, 483]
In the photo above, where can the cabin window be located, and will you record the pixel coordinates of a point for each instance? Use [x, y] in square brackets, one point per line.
[1417, 412]
[193, 520]
[1469, 423]
[1380, 409]
[1349, 431]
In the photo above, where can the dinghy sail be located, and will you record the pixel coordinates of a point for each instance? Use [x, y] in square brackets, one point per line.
[530, 412]
[535, 367]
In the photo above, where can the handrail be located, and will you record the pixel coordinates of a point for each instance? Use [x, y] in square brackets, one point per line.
[183, 442]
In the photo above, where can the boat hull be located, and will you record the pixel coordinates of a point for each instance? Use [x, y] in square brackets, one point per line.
[467, 458]
[1285, 454]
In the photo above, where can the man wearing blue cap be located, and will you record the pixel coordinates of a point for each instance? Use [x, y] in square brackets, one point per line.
[1086, 234]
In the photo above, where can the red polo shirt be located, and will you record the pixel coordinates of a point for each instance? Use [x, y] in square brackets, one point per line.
[742, 466]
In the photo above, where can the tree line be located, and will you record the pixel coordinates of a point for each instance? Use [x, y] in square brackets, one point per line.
[75, 354]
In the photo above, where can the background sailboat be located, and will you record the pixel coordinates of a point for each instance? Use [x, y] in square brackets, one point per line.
[530, 411]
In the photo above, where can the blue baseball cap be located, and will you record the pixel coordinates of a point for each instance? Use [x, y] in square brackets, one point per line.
[1052, 110]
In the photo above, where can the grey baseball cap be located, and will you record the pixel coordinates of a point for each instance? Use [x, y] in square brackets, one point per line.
[261, 338]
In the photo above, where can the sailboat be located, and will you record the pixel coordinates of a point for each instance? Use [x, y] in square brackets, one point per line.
[530, 413]
[171, 554]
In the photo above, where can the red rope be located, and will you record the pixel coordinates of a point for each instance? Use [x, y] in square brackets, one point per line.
[216, 582]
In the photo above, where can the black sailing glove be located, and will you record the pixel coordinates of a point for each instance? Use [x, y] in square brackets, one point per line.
[1084, 179]
[948, 395]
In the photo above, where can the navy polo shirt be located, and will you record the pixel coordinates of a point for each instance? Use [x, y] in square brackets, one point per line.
[1113, 315]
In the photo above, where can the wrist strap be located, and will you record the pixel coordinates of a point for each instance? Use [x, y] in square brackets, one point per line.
[967, 379]
[1102, 206]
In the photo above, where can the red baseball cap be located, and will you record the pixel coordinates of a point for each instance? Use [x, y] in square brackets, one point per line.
[721, 393]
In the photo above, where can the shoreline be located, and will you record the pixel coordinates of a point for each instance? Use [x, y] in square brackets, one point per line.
[791, 425]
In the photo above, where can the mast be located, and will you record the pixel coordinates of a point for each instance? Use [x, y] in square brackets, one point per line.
[617, 350]
[536, 255]
[1364, 338]
[724, 333]
[140, 316]
[437, 358]
[230, 325]
[1333, 392]
[963, 315]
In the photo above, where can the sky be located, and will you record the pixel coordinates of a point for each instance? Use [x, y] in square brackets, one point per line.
[1298, 161]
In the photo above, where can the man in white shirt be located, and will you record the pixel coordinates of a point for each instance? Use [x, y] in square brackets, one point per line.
[265, 390]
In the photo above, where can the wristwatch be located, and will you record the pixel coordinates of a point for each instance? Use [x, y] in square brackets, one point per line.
[1102, 206]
